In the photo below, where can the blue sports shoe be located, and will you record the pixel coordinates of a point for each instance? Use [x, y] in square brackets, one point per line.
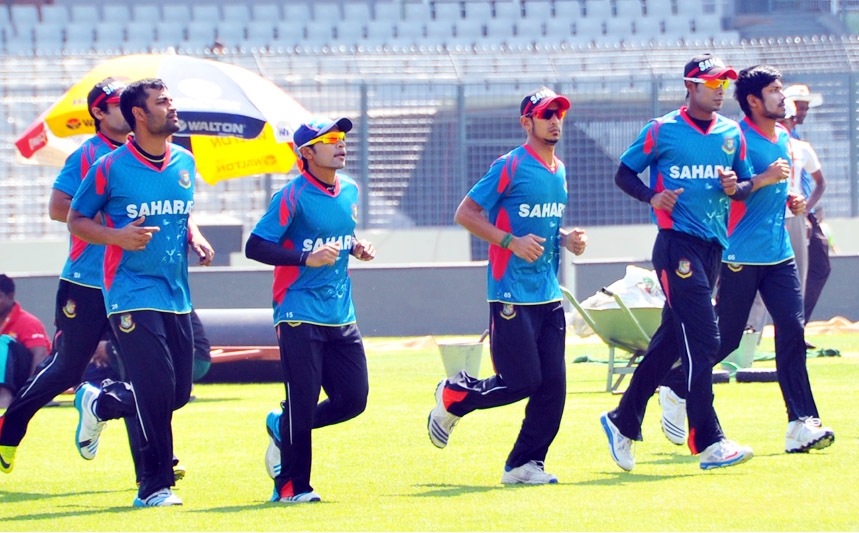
[272, 453]
[161, 498]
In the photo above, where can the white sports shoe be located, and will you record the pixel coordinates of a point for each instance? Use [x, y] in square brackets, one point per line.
[807, 434]
[673, 415]
[272, 453]
[440, 423]
[619, 445]
[531, 473]
[161, 498]
[304, 497]
[724, 453]
[89, 426]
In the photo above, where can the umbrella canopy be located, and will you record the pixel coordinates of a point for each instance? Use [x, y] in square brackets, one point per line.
[236, 122]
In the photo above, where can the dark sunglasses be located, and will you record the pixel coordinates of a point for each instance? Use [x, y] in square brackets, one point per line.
[548, 114]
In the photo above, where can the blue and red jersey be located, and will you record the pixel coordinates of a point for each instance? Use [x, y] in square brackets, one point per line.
[523, 195]
[757, 232]
[304, 216]
[84, 264]
[124, 186]
[680, 155]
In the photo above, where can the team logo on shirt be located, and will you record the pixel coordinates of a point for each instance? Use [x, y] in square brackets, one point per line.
[508, 311]
[70, 309]
[126, 323]
[734, 267]
[730, 146]
[354, 212]
[684, 268]
[184, 179]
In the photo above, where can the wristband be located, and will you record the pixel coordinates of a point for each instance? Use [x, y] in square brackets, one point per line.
[505, 242]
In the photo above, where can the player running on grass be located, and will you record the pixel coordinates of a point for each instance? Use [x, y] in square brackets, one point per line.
[308, 234]
[525, 195]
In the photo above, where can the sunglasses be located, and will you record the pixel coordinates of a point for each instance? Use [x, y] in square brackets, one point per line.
[711, 84]
[328, 138]
[548, 114]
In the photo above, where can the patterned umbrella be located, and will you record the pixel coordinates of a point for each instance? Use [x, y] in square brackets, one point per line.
[236, 122]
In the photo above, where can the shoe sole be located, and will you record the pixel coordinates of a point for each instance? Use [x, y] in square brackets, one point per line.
[435, 436]
[823, 442]
[740, 460]
[79, 407]
[604, 422]
[530, 482]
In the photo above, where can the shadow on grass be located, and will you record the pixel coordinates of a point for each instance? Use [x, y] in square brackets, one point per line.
[436, 490]
[74, 511]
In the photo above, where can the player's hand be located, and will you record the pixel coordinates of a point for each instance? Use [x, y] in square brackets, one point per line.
[205, 252]
[666, 199]
[364, 250]
[796, 203]
[778, 170]
[135, 236]
[100, 357]
[577, 241]
[728, 180]
[326, 255]
[529, 247]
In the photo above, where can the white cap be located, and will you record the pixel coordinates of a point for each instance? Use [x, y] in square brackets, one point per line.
[801, 93]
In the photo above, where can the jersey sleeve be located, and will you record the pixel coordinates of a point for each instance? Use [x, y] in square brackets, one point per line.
[93, 192]
[812, 163]
[69, 178]
[279, 215]
[642, 152]
[488, 190]
[742, 164]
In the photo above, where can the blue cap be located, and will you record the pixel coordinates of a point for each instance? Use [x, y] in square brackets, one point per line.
[318, 127]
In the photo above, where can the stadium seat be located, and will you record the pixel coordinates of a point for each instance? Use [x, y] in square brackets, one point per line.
[631, 9]
[408, 32]
[84, 13]
[109, 36]
[269, 13]
[139, 37]
[509, 10]
[200, 34]
[389, 11]
[568, 9]
[558, 29]
[259, 33]
[501, 30]
[598, 9]
[447, 11]
[297, 11]
[289, 33]
[379, 32]
[677, 27]
[478, 10]
[438, 32]
[207, 13]
[356, 11]
[467, 32]
[418, 12]
[619, 28]
[24, 15]
[148, 13]
[230, 34]
[80, 36]
[55, 14]
[707, 25]
[116, 13]
[318, 33]
[327, 12]
[19, 42]
[48, 39]
[169, 33]
[662, 8]
[538, 10]
[237, 13]
[176, 12]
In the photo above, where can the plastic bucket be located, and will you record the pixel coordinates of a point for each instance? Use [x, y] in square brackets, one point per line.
[461, 356]
[744, 355]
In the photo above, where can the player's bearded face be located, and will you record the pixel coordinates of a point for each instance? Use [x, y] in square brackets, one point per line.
[773, 101]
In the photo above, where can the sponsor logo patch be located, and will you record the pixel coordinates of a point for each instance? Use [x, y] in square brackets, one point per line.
[735, 267]
[730, 146]
[184, 179]
[508, 311]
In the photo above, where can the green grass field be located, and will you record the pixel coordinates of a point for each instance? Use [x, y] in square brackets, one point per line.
[379, 472]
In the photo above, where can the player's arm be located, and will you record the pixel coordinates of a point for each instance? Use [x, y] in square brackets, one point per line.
[58, 205]
[363, 249]
[627, 180]
[470, 215]
[574, 240]
[132, 237]
[777, 171]
[199, 244]
[817, 192]
[272, 253]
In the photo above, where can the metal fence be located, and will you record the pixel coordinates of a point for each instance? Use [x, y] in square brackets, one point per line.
[423, 138]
